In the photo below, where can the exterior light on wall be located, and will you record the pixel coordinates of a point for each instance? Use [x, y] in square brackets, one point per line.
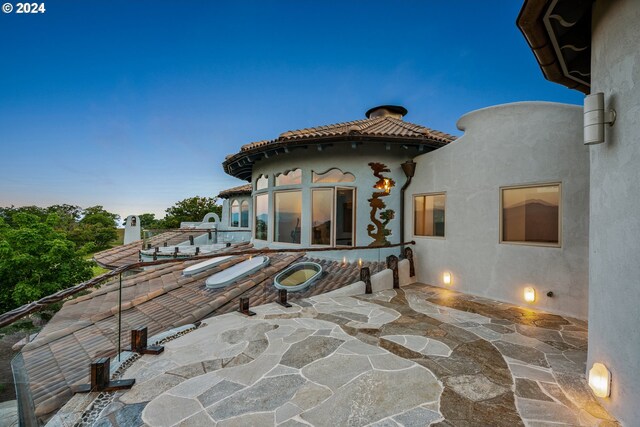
[360, 262]
[600, 380]
[446, 278]
[595, 117]
[529, 294]
[385, 185]
[344, 260]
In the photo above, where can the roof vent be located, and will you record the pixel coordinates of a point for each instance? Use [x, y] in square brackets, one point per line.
[395, 111]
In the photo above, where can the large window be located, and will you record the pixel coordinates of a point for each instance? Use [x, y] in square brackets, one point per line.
[322, 216]
[262, 182]
[287, 216]
[261, 216]
[332, 216]
[235, 214]
[244, 214]
[428, 215]
[289, 178]
[332, 175]
[531, 214]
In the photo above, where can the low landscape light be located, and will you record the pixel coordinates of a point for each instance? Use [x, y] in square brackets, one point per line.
[529, 294]
[446, 278]
[600, 380]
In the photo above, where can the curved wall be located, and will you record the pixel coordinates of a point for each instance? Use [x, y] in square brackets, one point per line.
[348, 159]
[615, 207]
[512, 144]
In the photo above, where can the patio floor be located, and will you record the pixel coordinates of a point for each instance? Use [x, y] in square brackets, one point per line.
[413, 357]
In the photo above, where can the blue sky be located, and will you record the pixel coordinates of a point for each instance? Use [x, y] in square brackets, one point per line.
[134, 104]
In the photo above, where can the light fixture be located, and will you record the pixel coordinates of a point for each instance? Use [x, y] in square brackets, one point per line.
[446, 278]
[409, 168]
[595, 117]
[529, 294]
[600, 380]
[360, 262]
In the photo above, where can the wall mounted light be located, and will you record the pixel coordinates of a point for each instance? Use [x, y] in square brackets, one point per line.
[446, 278]
[360, 262]
[595, 117]
[600, 380]
[529, 294]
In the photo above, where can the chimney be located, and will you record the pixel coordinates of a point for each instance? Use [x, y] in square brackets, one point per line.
[395, 111]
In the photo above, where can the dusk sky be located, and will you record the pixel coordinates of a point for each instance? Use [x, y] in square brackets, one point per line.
[133, 105]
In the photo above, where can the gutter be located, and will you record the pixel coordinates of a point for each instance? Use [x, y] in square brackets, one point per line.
[409, 169]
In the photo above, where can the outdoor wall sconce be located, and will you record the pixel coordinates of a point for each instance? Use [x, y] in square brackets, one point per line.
[595, 117]
[359, 262]
[600, 380]
[446, 278]
[385, 185]
[529, 294]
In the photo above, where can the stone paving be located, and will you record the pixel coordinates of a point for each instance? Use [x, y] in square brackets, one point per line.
[412, 357]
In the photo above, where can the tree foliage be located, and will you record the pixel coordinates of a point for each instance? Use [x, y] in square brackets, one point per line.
[36, 257]
[190, 209]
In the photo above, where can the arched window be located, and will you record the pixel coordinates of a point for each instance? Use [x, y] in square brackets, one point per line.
[235, 214]
[332, 175]
[262, 182]
[291, 177]
[244, 214]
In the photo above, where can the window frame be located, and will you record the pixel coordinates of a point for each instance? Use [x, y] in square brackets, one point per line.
[273, 216]
[255, 216]
[231, 213]
[531, 185]
[334, 201]
[420, 236]
[244, 203]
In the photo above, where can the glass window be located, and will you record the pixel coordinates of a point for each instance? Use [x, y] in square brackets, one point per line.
[262, 182]
[244, 214]
[235, 214]
[428, 215]
[344, 217]
[287, 215]
[531, 214]
[332, 175]
[321, 217]
[262, 216]
[289, 177]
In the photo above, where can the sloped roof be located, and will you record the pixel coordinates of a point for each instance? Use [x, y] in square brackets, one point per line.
[235, 191]
[383, 129]
[128, 254]
[160, 299]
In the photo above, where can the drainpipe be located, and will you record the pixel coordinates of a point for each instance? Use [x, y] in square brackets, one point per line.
[409, 169]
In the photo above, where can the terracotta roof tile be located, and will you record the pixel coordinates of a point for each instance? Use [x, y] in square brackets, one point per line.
[235, 191]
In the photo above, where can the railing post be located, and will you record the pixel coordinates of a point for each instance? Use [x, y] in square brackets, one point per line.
[408, 254]
[139, 343]
[120, 317]
[101, 378]
[392, 263]
[191, 240]
[244, 307]
[365, 276]
[282, 298]
[165, 244]
[197, 250]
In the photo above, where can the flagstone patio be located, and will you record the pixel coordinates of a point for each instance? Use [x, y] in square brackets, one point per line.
[412, 357]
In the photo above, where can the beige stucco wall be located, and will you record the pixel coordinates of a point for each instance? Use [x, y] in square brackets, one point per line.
[512, 144]
[614, 312]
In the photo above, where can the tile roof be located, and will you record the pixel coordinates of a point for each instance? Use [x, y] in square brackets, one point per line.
[160, 299]
[128, 254]
[385, 129]
[235, 191]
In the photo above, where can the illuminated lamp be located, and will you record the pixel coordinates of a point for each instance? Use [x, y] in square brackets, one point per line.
[529, 294]
[600, 380]
[446, 278]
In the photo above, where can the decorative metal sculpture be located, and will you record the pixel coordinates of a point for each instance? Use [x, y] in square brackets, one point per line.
[378, 230]
[408, 254]
[392, 264]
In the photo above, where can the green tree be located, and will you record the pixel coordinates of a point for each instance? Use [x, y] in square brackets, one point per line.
[36, 260]
[148, 220]
[190, 209]
[96, 230]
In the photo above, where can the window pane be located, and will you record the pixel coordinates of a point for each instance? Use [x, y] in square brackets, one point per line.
[262, 216]
[322, 206]
[332, 175]
[288, 210]
[244, 214]
[290, 178]
[531, 214]
[235, 214]
[429, 213]
[344, 217]
[262, 182]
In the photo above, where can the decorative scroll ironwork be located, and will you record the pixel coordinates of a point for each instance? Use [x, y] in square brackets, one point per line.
[378, 229]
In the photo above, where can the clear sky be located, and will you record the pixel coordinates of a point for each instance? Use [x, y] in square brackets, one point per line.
[134, 104]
